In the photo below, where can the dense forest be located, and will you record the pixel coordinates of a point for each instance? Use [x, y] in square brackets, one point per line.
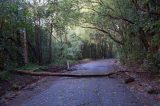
[42, 32]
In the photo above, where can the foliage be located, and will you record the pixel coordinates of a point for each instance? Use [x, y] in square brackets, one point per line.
[36, 17]
[29, 67]
[133, 25]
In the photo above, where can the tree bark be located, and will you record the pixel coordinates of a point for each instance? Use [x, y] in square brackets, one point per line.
[50, 43]
[37, 41]
[64, 74]
[70, 74]
[25, 49]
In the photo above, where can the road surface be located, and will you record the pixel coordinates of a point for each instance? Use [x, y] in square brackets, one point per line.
[102, 91]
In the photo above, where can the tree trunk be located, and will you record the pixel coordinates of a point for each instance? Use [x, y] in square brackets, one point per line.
[50, 44]
[143, 39]
[73, 75]
[37, 41]
[66, 74]
[25, 47]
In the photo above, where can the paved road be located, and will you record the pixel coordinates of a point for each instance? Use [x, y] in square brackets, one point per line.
[87, 91]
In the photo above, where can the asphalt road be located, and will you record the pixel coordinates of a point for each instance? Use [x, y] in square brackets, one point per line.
[102, 91]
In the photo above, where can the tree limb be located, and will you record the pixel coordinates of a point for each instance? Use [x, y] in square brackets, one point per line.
[114, 17]
[115, 40]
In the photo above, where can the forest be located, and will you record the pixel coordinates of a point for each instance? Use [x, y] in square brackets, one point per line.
[37, 33]
[51, 31]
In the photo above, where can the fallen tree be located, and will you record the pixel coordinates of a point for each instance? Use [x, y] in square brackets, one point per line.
[67, 74]
[63, 74]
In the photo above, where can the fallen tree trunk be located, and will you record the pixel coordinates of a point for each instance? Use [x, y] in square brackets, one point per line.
[64, 74]
[69, 74]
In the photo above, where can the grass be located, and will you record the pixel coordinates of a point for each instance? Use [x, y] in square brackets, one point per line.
[31, 67]
[7, 74]
[28, 67]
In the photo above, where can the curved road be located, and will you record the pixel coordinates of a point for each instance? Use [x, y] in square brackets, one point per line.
[102, 91]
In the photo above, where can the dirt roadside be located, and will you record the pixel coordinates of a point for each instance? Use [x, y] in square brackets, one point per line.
[12, 87]
[139, 81]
